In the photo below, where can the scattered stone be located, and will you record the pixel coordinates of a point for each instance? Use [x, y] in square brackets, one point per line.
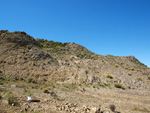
[112, 107]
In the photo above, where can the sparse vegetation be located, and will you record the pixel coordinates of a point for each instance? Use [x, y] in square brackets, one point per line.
[119, 86]
[109, 76]
[116, 65]
[102, 60]
[50, 44]
[45, 90]
[70, 86]
[127, 68]
[2, 80]
[53, 86]
[12, 100]
[132, 69]
[16, 85]
[31, 80]
[141, 109]
[25, 90]
[105, 85]
[129, 73]
[139, 79]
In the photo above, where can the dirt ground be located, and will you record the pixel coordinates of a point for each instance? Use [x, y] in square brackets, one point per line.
[53, 98]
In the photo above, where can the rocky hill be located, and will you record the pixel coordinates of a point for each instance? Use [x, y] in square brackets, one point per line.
[67, 77]
[23, 57]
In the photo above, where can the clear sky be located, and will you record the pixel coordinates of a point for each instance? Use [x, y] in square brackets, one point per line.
[115, 27]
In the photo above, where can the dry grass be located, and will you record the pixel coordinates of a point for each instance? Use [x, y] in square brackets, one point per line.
[126, 101]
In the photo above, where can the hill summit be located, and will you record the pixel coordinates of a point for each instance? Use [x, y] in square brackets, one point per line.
[48, 62]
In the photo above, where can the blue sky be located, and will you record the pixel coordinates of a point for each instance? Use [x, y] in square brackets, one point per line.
[115, 27]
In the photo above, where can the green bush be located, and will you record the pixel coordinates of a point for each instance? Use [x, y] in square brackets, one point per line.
[2, 80]
[109, 76]
[105, 85]
[12, 101]
[25, 90]
[53, 86]
[132, 69]
[129, 73]
[30, 80]
[102, 60]
[45, 90]
[116, 65]
[119, 86]
[50, 44]
[138, 78]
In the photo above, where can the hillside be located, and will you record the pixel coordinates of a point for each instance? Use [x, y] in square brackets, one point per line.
[24, 57]
[44, 63]
[83, 66]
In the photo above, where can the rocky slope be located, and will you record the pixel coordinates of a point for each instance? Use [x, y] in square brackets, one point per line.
[23, 57]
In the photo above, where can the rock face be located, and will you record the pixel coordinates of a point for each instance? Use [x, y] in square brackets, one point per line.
[23, 57]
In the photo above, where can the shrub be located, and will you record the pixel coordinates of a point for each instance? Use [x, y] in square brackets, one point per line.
[93, 86]
[24, 33]
[127, 68]
[16, 85]
[50, 44]
[2, 80]
[105, 85]
[148, 77]
[25, 90]
[119, 86]
[3, 31]
[30, 80]
[132, 69]
[109, 76]
[80, 85]
[138, 78]
[102, 60]
[108, 85]
[53, 86]
[116, 65]
[45, 91]
[12, 101]
[129, 73]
